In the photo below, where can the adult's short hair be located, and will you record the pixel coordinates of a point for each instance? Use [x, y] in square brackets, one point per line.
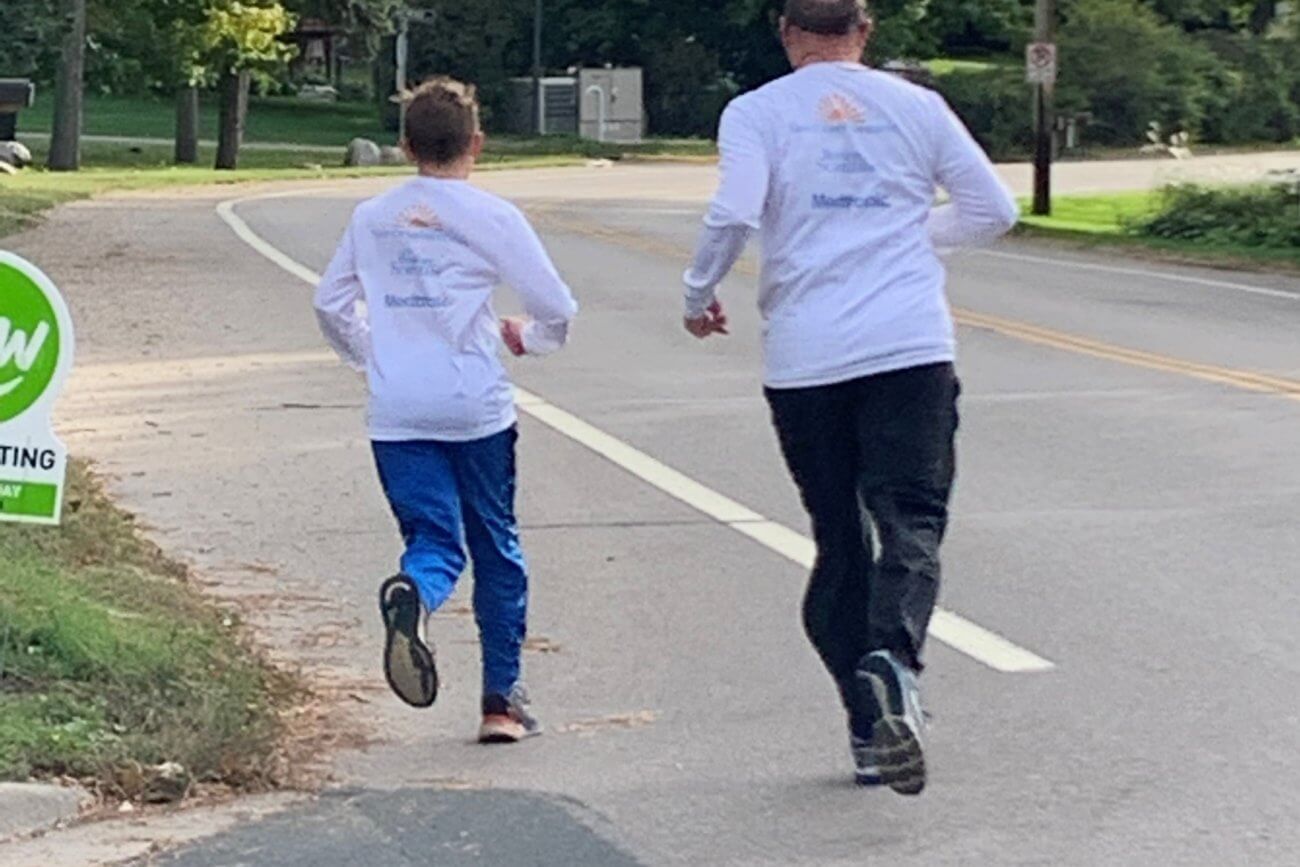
[442, 118]
[827, 17]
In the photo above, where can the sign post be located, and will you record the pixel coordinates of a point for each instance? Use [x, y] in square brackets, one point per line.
[402, 51]
[1040, 70]
[36, 349]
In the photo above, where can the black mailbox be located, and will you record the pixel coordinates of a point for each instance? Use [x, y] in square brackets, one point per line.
[15, 95]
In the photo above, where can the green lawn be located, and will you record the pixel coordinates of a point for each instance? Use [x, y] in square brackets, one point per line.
[1098, 221]
[941, 66]
[273, 119]
[327, 126]
[110, 662]
[1092, 215]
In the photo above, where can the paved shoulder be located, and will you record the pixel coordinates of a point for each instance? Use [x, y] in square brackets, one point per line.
[413, 826]
[28, 808]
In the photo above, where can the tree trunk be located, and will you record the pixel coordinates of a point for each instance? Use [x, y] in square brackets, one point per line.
[234, 110]
[65, 140]
[187, 125]
[1262, 16]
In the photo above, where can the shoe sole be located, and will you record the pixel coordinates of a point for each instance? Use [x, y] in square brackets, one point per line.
[895, 742]
[409, 666]
[868, 781]
[506, 736]
[900, 757]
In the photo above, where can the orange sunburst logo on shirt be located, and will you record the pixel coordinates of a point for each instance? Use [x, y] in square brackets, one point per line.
[419, 217]
[838, 108]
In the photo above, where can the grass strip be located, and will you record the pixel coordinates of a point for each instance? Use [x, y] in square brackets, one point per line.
[112, 664]
[1098, 222]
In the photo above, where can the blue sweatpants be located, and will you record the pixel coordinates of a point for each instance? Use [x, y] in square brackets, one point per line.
[448, 496]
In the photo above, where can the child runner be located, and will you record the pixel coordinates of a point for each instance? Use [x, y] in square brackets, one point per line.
[407, 301]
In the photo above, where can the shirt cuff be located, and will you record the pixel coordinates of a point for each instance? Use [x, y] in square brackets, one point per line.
[543, 339]
[699, 296]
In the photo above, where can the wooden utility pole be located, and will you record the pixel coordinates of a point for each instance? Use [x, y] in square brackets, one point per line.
[65, 138]
[538, 95]
[1044, 113]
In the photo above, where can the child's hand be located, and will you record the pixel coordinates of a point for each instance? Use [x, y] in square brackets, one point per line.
[714, 321]
[512, 332]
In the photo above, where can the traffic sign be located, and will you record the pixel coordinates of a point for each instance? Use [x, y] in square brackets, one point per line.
[1040, 63]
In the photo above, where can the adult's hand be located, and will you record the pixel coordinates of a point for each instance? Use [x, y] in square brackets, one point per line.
[512, 332]
[714, 321]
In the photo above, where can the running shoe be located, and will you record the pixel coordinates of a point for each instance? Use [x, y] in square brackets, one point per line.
[506, 718]
[408, 658]
[897, 741]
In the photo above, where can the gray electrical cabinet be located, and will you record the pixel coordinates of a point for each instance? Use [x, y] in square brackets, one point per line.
[559, 98]
[598, 104]
[612, 105]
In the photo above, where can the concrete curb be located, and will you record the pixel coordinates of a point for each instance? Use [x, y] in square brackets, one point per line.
[26, 808]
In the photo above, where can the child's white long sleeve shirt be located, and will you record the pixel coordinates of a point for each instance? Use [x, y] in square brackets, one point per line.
[407, 301]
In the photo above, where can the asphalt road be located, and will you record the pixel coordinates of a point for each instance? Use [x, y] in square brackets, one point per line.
[1126, 512]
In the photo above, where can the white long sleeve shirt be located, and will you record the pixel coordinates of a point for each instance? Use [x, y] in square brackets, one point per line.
[836, 166]
[407, 301]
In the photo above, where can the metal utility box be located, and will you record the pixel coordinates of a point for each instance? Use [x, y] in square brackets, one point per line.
[559, 98]
[611, 105]
[16, 94]
[600, 104]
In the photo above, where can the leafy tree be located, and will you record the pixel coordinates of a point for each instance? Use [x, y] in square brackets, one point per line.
[976, 25]
[900, 29]
[1234, 15]
[30, 28]
[236, 41]
[484, 42]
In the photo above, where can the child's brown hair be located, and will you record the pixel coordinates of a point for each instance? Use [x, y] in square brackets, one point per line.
[442, 119]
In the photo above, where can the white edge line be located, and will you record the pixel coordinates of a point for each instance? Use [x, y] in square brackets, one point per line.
[226, 210]
[952, 629]
[1142, 272]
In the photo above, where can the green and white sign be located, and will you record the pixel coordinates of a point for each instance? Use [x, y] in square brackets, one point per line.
[36, 345]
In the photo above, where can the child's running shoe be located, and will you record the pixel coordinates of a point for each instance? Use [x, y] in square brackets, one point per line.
[408, 660]
[506, 719]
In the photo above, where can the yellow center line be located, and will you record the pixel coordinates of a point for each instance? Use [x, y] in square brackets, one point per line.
[1245, 379]
[1023, 331]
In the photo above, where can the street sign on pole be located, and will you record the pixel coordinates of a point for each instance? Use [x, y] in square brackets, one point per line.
[1040, 63]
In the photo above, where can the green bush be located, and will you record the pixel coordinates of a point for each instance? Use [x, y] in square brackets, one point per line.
[1266, 215]
[1260, 99]
[996, 104]
[1126, 67]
